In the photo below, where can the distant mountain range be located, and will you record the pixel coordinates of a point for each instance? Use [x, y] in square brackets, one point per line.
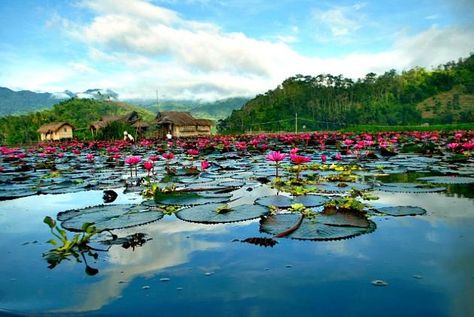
[24, 101]
[214, 110]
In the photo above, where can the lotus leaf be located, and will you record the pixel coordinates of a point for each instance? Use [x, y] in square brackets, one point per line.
[108, 217]
[324, 227]
[208, 214]
[402, 210]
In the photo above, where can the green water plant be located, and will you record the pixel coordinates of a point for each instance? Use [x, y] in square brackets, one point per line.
[65, 248]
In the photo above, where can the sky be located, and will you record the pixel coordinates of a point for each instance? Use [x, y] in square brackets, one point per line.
[214, 49]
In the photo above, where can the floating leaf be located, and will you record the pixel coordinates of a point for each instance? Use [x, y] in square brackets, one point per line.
[324, 227]
[341, 187]
[207, 213]
[275, 200]
[286, 202]
[409, 188]
[107, 217]
[402, 210]
[311, 200]
[186, 198]
[448, 179]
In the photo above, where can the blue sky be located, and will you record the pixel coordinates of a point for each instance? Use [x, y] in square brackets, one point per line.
[210, 49]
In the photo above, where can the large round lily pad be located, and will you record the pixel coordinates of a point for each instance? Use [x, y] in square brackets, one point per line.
[324, 227]
[402, 210]
[209, 213]
[286, 202]
[448, 179]
[186, 198]
[108, 217]
[409, 188]
[341, 187]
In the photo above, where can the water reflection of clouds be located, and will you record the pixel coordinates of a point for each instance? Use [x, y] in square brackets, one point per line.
[168, 248]
[438, 205]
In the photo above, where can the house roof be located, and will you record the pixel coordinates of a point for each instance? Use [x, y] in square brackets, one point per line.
[140, 124]
[180, 118]
[53, 127]
[130, 117]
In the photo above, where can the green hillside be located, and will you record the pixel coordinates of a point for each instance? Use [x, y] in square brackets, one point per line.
[442, 95]
[79, 112]
[215, 110]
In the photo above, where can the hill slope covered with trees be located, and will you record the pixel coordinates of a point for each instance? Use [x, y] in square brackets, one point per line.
[78, 112]
[442, 95]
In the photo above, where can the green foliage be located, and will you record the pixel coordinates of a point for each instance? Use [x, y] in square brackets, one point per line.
[350, 202]
[300, 208]
[66, 248]
[332, 102]
[78, 112]
[223, 209]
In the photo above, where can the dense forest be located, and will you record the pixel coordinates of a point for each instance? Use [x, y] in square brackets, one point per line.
[78, 112]
[441, 95]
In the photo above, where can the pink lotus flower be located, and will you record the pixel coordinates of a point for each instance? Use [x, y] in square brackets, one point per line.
[299, 159]
[60, 155]
[453, 146]
[193, 152]
[204, 165]
[168, 156]
[76, 151]
[294, 150]
[154, 158]
[468, 145]
[275, 156]
[133, 160]
[338, 156]
[324, 158]
[1, 169]
[348, 142]
[148, 165]
[90, 157]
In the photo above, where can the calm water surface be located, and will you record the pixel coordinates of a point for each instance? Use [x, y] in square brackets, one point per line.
[427, 261]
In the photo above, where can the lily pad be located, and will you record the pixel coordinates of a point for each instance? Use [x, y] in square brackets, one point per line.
[286, 202]
[409, 188]
[402, 211]
[324, 227]
[341, 187]
[208, 213]
[186, 198]
[108, 217]
[448, 180]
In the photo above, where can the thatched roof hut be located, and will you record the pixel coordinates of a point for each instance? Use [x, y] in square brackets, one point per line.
[130, 118]
[182, 124]
[55, 131]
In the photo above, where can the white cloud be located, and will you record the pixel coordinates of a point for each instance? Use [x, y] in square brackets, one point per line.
[135, 47]
[340, 21]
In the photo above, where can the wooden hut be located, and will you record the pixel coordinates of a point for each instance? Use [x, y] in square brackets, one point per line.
[55, 131]
[129, 118]
[182, 124]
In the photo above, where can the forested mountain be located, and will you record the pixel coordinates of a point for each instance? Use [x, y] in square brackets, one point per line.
[78, 112]
[15, 102]
[24, 101]
[442, 95]
[214, 110]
